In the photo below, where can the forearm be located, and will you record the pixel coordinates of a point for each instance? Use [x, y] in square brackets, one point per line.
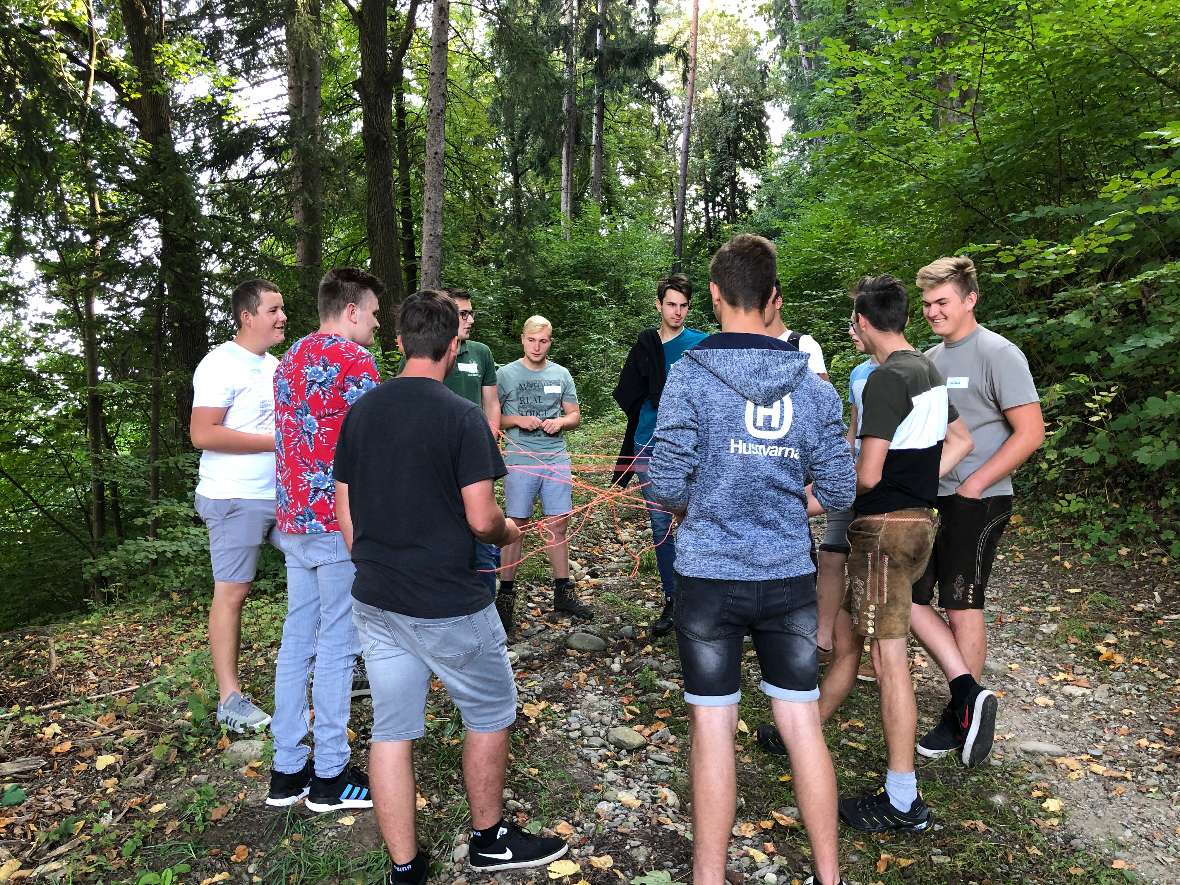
[1014, 452]
[219, 438]
[497, 533]
[492, 413]
[344, 514]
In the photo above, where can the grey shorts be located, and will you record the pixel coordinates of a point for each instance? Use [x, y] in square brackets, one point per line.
[552, 481]
[836, 534]
[467, 653]
[238, 527]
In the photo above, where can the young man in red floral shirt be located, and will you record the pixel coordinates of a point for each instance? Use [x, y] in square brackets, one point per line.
[319, 378]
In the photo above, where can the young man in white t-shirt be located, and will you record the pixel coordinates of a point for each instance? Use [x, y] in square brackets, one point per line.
[233, 423]
[776, 328]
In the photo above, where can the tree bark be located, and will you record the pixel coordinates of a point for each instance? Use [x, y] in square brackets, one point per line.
[155, 407]
[381, 222]
[174, 203]
[596, 149]
[685, 132]
[304, 104]
[797, 18]
[432, 187]
[570, 112]
[401, 131]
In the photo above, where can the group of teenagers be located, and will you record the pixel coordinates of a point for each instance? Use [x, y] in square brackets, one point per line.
[381, 496]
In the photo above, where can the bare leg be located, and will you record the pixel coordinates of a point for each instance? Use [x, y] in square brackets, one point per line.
[391, 775]
[841, 673]
[510, 555]
[899, 710]
[225, 633]
[557, 547]
[932, 631]
[815, 781]
[714, 790]
[485, 756]
[971, 637]
[829, 591]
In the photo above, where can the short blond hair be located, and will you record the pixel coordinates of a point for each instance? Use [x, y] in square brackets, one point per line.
[536, 323]
[957, 269]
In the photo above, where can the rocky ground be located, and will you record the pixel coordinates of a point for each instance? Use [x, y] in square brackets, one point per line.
[1083, 784]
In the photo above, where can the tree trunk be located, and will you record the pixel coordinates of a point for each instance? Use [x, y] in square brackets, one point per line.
[405, 185]
[570, 112]
[685, 132]
[797, 18]
[174, 206]
[376, 94]
[304, 103]
[432, 187]
[154, 408]
[596, 151]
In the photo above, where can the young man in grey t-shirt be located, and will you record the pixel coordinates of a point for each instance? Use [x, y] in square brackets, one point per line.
[990, 386]
[538, 404]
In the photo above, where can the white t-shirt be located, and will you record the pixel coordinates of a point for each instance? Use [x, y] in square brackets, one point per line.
[815, 353]
[231, 377]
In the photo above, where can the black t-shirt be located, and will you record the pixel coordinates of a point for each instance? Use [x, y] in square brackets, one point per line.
[905, 401]
[406, 450]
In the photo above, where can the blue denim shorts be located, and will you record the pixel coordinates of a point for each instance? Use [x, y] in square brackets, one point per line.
[467, 653]
[712, 619]
[238, 527]
[550, 481]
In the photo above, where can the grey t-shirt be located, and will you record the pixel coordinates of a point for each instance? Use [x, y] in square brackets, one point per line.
[525, 392]
[985, 374]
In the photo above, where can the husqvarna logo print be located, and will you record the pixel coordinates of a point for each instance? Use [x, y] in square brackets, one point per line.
[769, 422]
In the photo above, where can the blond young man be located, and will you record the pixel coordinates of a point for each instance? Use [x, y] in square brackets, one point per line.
[990, 385]
[538, 404]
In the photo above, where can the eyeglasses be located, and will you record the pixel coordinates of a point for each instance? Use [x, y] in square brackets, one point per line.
[467, 314]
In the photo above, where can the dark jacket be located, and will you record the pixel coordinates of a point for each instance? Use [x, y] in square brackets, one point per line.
[642, 379]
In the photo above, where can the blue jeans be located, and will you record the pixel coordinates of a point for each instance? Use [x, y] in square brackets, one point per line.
[661, 534]
[318, 631]
[487, 560]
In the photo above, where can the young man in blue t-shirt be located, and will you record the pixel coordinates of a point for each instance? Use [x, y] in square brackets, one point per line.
[640, 386]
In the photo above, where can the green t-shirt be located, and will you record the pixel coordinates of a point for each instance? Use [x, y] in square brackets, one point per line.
[525, 392]
[474, 370]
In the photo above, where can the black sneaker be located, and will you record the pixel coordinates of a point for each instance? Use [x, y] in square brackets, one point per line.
[944, 738]
[287, 789]
[812, 880]
[662, 625]
[977, 720]
[770, 740]
[360, 680]
[514, 849]
[349, 789]
[564, 600]
[874, 813]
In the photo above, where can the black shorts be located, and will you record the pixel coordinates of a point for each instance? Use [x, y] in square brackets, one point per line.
[968, 534]
[712, 620]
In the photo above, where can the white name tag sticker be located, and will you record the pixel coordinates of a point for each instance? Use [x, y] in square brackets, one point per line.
[959, 383]
[469, 368]
[553, 388]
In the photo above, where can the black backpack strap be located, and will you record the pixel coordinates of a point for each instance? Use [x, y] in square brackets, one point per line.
[793, 339]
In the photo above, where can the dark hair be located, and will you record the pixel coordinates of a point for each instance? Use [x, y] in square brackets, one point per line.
[428, 322]
[456, 293]
[677, 282]
[342, 286]
[883, 302]
[247, 296]
[744, 271]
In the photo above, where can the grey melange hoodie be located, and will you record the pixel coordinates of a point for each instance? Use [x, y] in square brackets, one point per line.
[743, 426]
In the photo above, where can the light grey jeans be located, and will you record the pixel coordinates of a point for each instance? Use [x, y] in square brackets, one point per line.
[318, 631]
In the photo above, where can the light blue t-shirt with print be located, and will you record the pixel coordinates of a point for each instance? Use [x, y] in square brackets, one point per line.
[673, 350]
[856, 391]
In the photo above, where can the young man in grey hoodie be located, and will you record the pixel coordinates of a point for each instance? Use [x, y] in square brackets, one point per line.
[742, 423]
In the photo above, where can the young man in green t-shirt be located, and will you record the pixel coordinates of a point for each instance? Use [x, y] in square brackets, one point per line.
[473, 377]
[539, 403]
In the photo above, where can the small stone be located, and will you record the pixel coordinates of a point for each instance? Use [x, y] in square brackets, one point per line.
[595, 742]
[1040, 748]
[939, 858]
[604, 809]
[626, 738]
[995, 668]
[582, 641]
[1074, 691]
[669, 798]
[629, 632]
[660, 758]
[243, 752]
[460, 852]
[1048, 629]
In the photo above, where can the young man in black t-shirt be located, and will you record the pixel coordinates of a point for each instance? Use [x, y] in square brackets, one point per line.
[910, 435]
[415, 468]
